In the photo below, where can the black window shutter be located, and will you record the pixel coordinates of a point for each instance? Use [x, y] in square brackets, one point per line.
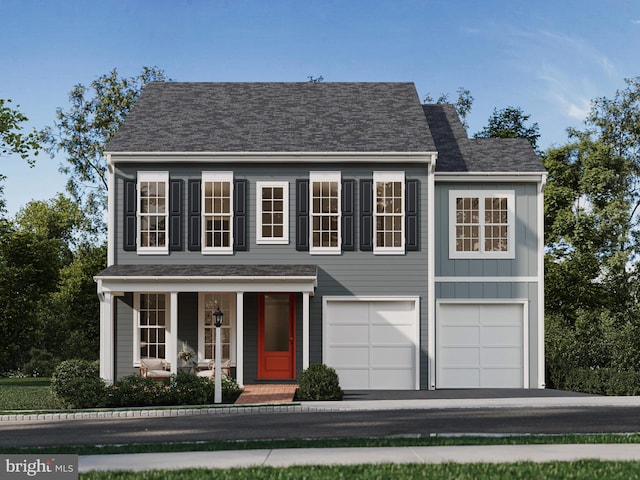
[366, 215]
[302, 215]
[195, 220]
[411, 217]
[348, 214]
[175, 215]
[240, 216]
[130, 206]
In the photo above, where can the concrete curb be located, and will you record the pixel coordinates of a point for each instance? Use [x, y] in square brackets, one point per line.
[338, 406]
[360, 455]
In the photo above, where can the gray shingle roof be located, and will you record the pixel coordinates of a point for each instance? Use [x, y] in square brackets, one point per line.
[209, 271]
[275, 117]
[457, 153]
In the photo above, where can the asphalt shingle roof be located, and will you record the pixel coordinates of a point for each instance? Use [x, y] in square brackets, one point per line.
[458, 153]
[209, 271]
[275, 117]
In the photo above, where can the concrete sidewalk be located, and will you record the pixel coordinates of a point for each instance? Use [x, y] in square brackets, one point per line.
[352, 456]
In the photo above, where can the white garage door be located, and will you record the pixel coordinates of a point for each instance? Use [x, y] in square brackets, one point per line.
[480, 345]
[372, 344]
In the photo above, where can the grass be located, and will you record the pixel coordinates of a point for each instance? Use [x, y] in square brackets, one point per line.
[583, 469]
[27, 394]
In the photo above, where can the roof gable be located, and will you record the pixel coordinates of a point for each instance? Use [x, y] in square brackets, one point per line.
[275, 117]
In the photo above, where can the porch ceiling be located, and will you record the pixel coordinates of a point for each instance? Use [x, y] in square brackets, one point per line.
[196, 278]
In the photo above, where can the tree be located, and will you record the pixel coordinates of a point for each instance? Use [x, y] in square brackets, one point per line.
[34, 249]
[510, 122]
[82, 132]
[463, 103]
[13, 141]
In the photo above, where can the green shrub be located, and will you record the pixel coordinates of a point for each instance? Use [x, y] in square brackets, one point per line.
[77, 383]
[40, 364]
[319, 382]
[135, 391]
[600, 381]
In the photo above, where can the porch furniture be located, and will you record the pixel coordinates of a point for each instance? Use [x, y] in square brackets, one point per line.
[210, 369]
[156, 368]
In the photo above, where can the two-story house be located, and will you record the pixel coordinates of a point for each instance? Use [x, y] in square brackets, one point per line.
[342, 223]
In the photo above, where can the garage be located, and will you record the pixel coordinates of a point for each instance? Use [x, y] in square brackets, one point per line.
[372, 343]
[481, 345]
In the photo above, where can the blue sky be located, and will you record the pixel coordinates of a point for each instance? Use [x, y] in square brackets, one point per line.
[549, 58]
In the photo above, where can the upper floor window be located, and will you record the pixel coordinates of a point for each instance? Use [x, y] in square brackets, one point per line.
[481, 223]
[325, 203]
[272, 212]
[217, 212]
[152, 212]
[388, 203]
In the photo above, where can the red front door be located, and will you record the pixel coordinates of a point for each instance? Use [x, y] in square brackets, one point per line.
[276, 336]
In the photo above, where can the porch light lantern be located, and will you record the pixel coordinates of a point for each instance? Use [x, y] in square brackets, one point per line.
[217, 320]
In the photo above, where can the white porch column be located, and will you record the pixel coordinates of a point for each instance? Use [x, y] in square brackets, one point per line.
[305, 330]
[172, 343]
[106, 337]
[240, 338]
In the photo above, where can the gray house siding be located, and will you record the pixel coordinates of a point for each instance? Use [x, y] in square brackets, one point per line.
[525, 262]
[124, 335]
[352, 273]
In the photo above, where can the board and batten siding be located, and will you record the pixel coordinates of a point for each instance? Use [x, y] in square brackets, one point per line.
[520, 274]
[352, 273]
[525, 262]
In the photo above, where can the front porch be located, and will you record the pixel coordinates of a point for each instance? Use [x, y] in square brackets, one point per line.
[159, 311]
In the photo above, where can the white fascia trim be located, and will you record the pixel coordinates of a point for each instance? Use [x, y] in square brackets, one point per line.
[431, 273]
[271, 157]
[207, 284]
[111, 214]
[492, 279]
[541, 316]
[490, 176]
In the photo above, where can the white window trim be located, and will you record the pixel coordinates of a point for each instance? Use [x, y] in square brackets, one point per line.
[388, 177]
[284, 240]
[152, 177]
[232, 326]
[217, 177]
[136, 324]
[325, 177]
[481, 195]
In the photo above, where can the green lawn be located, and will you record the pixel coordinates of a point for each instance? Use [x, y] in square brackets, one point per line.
[27, 394]
[584, 469]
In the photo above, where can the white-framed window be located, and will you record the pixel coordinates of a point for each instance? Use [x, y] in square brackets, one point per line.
[325, 213]
[207, 305]
[272, 213]
[217, 212]
[151, 327]
[388, 204]
[153, 222]
[481, 224]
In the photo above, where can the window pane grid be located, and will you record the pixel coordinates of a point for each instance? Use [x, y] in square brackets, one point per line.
[211, 303]
[389, 214]
[485, 217]
[152, 325]
[153, 223]
[325, 213]
[217, 214]
[272, 212]
[495, 220]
